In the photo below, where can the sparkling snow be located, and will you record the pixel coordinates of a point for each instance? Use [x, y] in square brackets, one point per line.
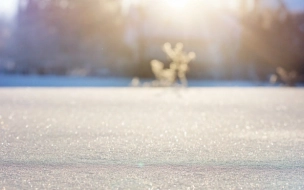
[151, 138]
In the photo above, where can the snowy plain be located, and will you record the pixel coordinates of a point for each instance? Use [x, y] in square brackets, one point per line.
[151, 138]
[77, 81]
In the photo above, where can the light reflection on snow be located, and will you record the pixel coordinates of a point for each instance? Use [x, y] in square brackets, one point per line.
[127, 138]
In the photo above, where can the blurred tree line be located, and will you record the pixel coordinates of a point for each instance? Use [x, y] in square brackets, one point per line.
[66, 36]
[88, 37]
[272, 38]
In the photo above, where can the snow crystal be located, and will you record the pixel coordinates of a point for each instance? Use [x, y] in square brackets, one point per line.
[143, 138]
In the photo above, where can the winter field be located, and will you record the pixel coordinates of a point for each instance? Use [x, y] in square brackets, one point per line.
[151, 138]
[76, 81]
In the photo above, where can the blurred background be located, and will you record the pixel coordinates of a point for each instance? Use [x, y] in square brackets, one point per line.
[232, 39]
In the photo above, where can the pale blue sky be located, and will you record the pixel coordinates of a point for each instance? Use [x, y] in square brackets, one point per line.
[8, 7]
[295, 5]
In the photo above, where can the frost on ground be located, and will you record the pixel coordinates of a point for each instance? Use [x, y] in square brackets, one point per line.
[143, 138]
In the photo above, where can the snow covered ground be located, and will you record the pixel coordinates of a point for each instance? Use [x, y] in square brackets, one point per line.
[151, 138]
[61, 81]
[66, 81]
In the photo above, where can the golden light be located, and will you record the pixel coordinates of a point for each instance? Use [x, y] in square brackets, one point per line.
[187, 9]
[182, 5]
[176, 4]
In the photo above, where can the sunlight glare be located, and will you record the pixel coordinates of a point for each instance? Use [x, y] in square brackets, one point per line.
[177, 4]
[188, 5]
[8, 8]
[187, 11]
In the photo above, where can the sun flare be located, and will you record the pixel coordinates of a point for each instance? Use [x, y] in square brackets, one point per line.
[214, 4]
[185, 11]
[8, 7]
[176, 4]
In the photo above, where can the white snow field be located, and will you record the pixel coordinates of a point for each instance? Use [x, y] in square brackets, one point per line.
[151, 138]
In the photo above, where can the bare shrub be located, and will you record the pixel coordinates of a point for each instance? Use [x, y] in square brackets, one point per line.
[177, 69]
[288, 78]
